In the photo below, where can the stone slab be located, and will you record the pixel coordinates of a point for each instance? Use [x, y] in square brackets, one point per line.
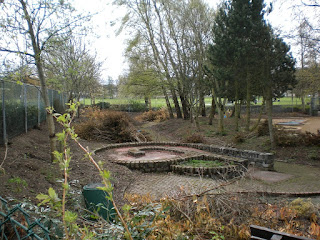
[269, 176]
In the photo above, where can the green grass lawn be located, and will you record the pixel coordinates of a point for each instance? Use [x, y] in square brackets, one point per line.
[160, 102]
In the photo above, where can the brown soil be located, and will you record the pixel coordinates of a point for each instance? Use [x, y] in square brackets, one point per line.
[28, 159]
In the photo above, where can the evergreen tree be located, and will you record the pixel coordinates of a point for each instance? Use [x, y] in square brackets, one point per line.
[235, 54]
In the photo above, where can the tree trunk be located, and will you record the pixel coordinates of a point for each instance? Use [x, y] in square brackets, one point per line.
[212, 111]
[303, 103]
[236, 103]
[202, 105]
[44, 90]
[146, 102]
[185, 108]
[220, 105]
[270, 125]
[150, 105]
[167, 102]
[236, 114]
[248, 112]
[220, 119]
[260, 115]
[176, 103]
[184, 102]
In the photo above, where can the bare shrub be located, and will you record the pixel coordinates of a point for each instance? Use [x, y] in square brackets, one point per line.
[239, 137]
[194, 138]
[263, 129]
[285, 138]
[157, 116]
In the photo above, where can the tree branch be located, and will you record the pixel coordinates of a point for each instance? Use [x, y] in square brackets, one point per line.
[16, 51]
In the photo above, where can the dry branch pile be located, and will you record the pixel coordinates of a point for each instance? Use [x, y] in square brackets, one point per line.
[107, 125]
[154, 116]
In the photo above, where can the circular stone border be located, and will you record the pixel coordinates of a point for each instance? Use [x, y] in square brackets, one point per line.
[239, 157]
[230, 170]
[156, 165]
[258, 159]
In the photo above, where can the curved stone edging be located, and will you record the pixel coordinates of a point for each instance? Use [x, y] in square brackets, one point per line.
[258, 159]
[276, 194]
[232, 168]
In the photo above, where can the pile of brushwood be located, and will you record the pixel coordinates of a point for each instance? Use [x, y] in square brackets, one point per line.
[154, 116]
[108, 126]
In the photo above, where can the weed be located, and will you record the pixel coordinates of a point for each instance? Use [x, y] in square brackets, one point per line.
[314, 155]
[51, 174]
[17, 184]
[216, 235]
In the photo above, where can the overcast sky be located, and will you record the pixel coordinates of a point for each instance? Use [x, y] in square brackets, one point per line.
[110, 48]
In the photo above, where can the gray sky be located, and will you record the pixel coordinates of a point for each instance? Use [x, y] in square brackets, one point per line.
[110, 48]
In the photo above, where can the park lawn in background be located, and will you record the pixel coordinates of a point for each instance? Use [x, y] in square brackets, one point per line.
[161, 102]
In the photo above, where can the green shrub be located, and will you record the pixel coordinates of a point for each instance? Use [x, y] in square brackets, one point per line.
[136, 106]
[102, 105]
[17, 184]
[304, 208]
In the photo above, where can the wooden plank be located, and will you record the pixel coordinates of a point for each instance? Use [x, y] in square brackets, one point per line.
[276, 237]
[256, 238]
[266, 233]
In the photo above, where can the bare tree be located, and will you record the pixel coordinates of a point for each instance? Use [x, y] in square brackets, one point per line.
[31, 25]
[70, 67]
[177, 33]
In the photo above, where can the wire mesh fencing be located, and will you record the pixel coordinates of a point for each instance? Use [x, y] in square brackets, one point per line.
[22, 108]
[16, 223]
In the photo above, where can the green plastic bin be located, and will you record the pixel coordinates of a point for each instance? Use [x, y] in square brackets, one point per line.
[96, 201]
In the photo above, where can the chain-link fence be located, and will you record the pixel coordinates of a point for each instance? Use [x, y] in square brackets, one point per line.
[16, 223]
[22, 108]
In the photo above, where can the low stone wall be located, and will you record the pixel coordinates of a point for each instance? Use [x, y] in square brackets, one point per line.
[258, 159]
[232, 168]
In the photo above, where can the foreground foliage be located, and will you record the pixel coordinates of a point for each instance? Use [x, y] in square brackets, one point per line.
[222, 216]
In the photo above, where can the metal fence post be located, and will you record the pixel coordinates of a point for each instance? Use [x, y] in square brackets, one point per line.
[5, 140]
[25, 107]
